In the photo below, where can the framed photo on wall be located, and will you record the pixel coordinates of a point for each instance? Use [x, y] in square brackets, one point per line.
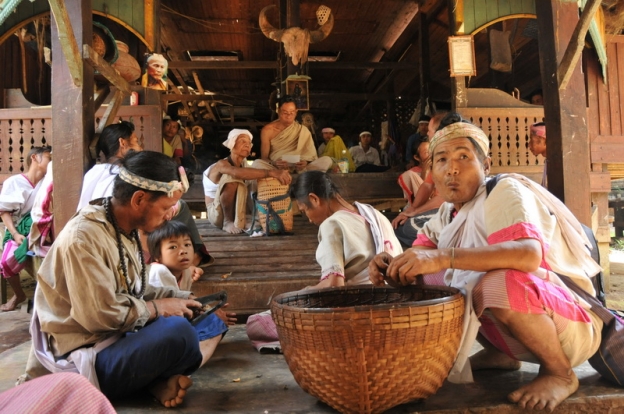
[461, 56]
[298, 89]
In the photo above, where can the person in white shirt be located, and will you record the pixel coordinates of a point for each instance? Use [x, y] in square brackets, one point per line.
[365, 157]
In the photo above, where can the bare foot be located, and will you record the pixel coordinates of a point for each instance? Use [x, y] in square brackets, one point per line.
[231, 228]
[546, 391]
[493, 359]
[171, 392]
[12, 303]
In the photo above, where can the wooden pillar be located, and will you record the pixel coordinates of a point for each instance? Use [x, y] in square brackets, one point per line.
[425, 62]
[72, 111]
[459, 95]
[152, 24]
[568, 150]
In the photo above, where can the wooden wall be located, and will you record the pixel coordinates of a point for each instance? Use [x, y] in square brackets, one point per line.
[605, 103]
[37, 90]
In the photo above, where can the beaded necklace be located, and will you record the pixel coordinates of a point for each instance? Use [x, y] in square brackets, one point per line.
[133, 234]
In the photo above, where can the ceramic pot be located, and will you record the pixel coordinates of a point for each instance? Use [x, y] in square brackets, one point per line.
[126, 64]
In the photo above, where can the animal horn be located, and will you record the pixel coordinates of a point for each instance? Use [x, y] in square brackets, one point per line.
[323, 31]
[267, 28]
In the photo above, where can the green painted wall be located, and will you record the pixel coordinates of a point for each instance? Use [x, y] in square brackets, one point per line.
[479, 12]
[131, 12]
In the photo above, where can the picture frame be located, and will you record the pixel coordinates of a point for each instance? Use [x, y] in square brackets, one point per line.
[298, 89]
[461, 56]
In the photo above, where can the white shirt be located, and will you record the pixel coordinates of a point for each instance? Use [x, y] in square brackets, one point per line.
[98, 183]
[361, 157]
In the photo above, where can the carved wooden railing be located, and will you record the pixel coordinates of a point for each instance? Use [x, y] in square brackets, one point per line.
[508, 130]
[22, 128]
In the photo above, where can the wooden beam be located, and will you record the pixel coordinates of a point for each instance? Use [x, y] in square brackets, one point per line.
[184, 89]
[184, 103]
[271, 65]
[200, 89]
[99, 97]
[111, 111]
[106, 70]
[316, 95]
[72, 110]
[568, 146]
[67, 40]
[575, 47]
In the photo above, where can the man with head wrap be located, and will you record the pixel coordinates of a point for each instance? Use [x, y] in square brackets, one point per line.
[224, 183]
[504, 251]
[93, 306]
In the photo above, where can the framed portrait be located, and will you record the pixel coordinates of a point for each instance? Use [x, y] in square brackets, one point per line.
[298, 89]
[461, 56]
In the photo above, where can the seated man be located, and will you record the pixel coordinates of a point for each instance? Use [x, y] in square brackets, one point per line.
[365, 157]
[93, 304]
[505, 250]
[333, 148]
[172, 144]
[224, 183]
[286, 136]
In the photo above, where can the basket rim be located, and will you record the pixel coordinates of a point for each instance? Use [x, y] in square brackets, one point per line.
[454, 293]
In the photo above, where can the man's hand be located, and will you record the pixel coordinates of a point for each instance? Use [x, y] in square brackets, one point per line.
[282, 176]
[301, 165]
[405, 267]
[177, 307]
[281, 164]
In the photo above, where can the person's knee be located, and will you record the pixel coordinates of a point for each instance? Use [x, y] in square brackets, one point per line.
[177, 334]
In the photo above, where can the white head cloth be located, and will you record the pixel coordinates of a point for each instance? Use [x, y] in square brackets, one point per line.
[332, 130]
[233, 135]
[157, 57]
[460, 130]
[365, 133]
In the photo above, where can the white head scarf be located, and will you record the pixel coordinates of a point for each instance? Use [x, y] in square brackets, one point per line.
[233, 135]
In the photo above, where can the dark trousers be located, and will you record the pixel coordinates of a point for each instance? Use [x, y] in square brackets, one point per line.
[165, 347]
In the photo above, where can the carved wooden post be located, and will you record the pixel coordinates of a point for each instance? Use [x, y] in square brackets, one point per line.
[72, 104]
[564, 110]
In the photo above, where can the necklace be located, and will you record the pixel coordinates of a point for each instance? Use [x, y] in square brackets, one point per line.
[122, 257]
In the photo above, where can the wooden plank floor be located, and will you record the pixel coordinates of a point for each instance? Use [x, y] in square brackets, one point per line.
[255, 269]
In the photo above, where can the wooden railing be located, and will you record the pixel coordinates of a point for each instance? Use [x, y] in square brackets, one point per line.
[509, 133]
[23, 128]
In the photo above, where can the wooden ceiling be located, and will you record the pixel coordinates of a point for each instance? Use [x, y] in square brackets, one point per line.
[365, 33]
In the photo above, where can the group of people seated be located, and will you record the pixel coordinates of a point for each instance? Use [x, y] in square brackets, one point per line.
[102, 311]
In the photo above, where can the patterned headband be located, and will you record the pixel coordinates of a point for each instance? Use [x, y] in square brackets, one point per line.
[460, 130]
[151, 185]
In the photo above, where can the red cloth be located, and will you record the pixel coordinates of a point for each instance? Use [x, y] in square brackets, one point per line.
[55, 393]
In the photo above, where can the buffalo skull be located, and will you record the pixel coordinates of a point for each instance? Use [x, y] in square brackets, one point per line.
[296, 40]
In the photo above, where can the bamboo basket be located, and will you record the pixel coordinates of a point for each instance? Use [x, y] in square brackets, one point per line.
[272, 193]
[367, 349]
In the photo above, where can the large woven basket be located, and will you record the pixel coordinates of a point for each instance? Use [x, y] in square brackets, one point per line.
[364, 349]
[272, 193]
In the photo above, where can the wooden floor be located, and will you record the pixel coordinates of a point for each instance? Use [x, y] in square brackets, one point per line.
[255, 269]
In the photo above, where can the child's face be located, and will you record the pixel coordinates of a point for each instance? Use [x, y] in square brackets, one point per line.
[176, 253]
